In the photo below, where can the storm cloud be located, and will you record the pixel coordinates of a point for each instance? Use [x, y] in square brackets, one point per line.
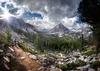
[55, 9]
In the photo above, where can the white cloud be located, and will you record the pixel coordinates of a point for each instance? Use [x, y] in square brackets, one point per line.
[68, 22]
[45, 23]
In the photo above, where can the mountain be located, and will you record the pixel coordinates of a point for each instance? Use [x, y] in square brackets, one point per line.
[20, 24]
[17, 28]
[59, 29]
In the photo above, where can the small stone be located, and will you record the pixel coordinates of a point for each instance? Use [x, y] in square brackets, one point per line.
[22, 58]
[6, 66]
[98, 69]
[33, 56]
[90, 69]
[7, 59]
[1, 50]
[11, 49]
[53, 68]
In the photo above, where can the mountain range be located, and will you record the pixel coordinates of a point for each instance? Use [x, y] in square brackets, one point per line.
[19, 29]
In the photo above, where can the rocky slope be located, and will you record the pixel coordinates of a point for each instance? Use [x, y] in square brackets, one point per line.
[13, 58]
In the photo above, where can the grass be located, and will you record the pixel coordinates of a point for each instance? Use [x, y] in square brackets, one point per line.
[89, 52]
[71, 66]
[26, 48]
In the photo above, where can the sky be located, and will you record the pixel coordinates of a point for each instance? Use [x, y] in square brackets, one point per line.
[43, 13]
[54, 9]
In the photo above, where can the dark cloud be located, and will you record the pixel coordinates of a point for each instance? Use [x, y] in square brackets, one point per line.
[56, 9]
[8, 7]
[35, 5]
[62, 8]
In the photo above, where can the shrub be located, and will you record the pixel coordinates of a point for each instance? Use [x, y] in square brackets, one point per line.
[26, 48]
[80, 63]
[89, 52]
[95, 65]
[71, 66]
[6, 38]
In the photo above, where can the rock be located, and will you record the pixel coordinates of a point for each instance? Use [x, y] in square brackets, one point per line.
[11, 49]
[39, 69]
[6, 59]
[22, 58]
[53, 68]
[76, 53]
[98, 69]
[81, 58]
[1, 51]
[6, 66]
[90, 69]
[33, 56]
[93, 59]
[83, 68]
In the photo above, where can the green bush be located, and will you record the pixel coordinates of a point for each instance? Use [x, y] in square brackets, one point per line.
[6, 38]
[95, 65]
[80, 63]
[71, 66]
[89, 52]
[26, 48]
[63, 67]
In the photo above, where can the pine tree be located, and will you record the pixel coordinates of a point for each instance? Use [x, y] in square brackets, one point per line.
[37, 42]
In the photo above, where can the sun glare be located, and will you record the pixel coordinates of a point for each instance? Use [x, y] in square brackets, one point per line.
[6, 16]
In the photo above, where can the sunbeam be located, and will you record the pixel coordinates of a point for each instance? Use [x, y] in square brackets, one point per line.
[6, 16]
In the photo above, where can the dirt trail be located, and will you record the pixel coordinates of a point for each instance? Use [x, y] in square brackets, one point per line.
[24, 59]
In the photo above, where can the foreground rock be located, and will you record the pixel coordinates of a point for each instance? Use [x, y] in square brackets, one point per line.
[15, 59]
